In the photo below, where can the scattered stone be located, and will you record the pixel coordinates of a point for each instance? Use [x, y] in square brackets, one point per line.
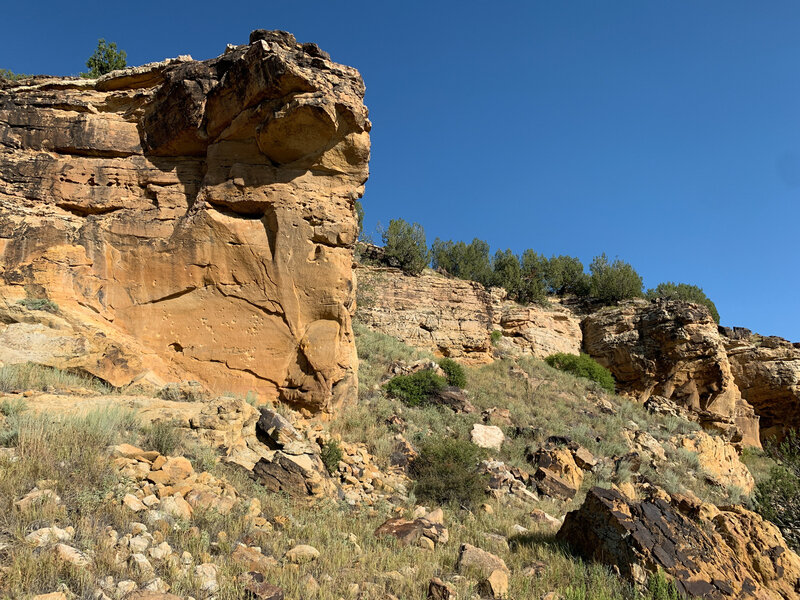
[550, 484]
[496, 585]
[177, 507]
[497, 416]
[301, 554]
[133, 503]
[72, 555]
[49, 535]
[414, 532]
[542, 518]
[439, 590]
[252, 559]
[140, 566]
[487, 436]
[51, 596]
[259, 589]
[206, 576]
[475, 560]
[36, 497]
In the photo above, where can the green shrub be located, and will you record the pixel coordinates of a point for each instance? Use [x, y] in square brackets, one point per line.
[660, 587]
[39, 304]
[417, 388]
[10, 75]
[163, 436]
[496, 336]
[582, 366]
[331, 455]
[360, 218]
[465, 261]
[683, 291]
[106, 58]
[612, 282]
[777, 497]
[565, 275]
[507, 273]
[446, 471]
[532, 288]
[405, 247]
[456, 376]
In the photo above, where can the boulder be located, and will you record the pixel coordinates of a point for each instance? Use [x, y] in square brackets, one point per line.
[439, 590]
[301, 554]
[487, 436]
[718, 460]
[472, 559]
[708, 551]
[194, 221]
[410, 533]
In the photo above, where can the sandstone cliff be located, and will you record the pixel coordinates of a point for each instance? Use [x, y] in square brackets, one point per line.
[455, 318]
[189, 220]
[767, 371]
[672, 349]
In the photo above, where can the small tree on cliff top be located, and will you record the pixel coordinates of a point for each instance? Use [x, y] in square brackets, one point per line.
[405, 246]
[106, 58]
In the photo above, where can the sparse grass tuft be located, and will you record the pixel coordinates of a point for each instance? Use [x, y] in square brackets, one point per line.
[164, 436]
[30, 376]
[39, 304]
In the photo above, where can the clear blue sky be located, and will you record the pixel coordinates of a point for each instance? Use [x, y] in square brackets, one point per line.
[665, 133]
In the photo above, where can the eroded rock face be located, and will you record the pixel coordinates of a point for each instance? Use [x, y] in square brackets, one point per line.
[710, 552]
[672, 349]
[767, 371]
[192, 219]
[455, 318]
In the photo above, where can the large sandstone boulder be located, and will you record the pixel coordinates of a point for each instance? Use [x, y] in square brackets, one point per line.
[672, 349]
[710, 552]
[194, 220]
[767, 371]
[458, 316]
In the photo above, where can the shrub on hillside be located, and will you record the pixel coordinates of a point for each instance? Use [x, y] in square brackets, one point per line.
[565, 275]
[10, 75]
[683, 291]
[456, 376]
[582, 366]
[417, 388]
[405, 246]
[331, 455]
[777, 497]
[612, 282]
[446, 471]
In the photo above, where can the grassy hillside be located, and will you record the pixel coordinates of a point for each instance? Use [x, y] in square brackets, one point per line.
[68, 455]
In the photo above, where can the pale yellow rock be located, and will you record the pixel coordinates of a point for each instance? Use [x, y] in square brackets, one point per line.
[301, 554]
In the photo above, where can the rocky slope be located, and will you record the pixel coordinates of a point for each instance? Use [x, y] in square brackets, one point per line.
[190, 220]
[667, 353]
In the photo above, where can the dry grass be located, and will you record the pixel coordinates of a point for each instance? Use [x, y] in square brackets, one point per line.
[30, 376]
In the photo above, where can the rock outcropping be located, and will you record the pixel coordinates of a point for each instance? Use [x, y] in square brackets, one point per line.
[709, 552]
[190, 220]
[767, 371]
[672, 349]
[456, 318]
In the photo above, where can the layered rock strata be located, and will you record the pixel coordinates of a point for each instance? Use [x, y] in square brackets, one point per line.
[188, 220]
[456, 318]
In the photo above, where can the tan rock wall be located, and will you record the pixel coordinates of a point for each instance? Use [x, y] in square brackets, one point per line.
[767, 371]
[455, 318]
[671, 349]
[197, 215]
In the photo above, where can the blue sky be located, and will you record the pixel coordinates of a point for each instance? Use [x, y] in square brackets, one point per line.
[665, 133]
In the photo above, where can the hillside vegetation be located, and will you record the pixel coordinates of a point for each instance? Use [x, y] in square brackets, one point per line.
[68, 455]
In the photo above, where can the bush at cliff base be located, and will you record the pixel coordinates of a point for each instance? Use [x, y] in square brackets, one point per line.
[777, 497]
[582, 366]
